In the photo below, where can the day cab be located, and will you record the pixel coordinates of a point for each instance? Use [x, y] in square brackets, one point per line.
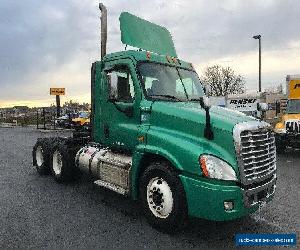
[156, 139]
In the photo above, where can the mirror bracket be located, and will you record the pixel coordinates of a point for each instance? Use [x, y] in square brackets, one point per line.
[208, 133]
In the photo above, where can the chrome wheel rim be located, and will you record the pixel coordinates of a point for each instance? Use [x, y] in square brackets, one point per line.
[57, 162]
[39, 156]
[159, 197]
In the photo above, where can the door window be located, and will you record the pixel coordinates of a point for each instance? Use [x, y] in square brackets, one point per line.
[120, 85]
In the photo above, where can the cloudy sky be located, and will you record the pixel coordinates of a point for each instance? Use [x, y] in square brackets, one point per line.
[47, 43]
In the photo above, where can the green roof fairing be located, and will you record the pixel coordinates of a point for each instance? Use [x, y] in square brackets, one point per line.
[145, 35]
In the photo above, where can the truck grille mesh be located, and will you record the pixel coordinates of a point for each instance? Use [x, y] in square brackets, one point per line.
[292, 126]
[258, 153]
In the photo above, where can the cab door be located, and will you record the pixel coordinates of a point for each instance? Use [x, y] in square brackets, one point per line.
[121, 106]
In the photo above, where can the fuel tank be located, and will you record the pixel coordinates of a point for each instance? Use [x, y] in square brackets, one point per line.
[110, 167]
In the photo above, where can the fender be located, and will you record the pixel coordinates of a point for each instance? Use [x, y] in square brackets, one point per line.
[182, 151]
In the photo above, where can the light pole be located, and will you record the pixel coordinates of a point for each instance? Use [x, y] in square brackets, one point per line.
[259, 61]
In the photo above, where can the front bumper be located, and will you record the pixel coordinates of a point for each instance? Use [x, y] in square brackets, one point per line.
[206, 200]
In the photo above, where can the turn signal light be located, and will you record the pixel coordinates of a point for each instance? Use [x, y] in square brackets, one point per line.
[203, 166]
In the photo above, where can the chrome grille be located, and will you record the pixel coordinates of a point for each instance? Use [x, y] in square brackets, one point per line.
[292, 126]
[256, 157]
[258, 153]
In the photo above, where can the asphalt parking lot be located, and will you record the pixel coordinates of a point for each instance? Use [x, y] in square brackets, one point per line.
[37, 212]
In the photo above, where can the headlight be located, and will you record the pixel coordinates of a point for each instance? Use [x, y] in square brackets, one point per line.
[280, 130]
[214, 167]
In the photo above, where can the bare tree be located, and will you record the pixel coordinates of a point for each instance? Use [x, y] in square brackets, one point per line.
[222, 81]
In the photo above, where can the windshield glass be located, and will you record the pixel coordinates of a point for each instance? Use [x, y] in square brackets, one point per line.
[166, 82]
[293, 107]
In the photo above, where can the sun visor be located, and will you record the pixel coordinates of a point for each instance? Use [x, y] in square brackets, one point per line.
[145, 35]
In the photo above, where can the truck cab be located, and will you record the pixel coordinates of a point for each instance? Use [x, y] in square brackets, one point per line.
[155, 139]
[287, 130]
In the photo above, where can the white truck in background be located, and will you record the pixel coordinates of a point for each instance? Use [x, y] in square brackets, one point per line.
[249, 104]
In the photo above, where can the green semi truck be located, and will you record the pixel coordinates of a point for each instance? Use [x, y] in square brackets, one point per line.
[154, 137]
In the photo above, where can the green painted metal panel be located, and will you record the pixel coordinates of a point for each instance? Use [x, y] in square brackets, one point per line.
[145, 35]
[205, 199]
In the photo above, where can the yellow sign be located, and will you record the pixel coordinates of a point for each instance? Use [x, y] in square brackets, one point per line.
[294, 89]
[57, 91]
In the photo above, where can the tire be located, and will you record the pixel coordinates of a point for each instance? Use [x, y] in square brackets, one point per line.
[62, 162]
[41, 155]
[280, 147]
[163, 198]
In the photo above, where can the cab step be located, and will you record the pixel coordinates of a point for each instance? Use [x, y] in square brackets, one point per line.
[112, 187]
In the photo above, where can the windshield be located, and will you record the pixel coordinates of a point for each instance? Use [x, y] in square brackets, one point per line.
[166, 82]
[293, 107]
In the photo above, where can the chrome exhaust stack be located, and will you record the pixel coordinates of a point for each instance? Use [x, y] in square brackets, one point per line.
[103, 19]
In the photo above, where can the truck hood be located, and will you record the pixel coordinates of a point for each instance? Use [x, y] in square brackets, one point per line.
[186, 120]
[192, 114]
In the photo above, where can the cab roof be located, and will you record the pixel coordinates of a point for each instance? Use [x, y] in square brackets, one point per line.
[141, 55]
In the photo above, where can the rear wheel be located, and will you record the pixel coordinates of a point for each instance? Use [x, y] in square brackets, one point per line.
[163, 197]
[62, 162]
[41, 155]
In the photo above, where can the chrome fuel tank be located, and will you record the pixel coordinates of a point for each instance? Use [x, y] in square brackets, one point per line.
[104, 164]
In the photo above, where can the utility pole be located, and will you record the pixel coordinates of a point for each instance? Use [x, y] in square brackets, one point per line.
[259, 61]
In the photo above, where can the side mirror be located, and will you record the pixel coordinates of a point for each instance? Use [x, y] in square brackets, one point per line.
[204, 102]
[262, 106]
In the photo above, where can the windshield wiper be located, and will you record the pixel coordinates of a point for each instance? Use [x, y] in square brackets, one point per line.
[168, 96]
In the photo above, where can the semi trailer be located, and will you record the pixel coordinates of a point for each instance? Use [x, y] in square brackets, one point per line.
[155, 138]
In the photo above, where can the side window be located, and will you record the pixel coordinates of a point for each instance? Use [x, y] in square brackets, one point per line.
[180, 89]
[189, 86]
[120, 85]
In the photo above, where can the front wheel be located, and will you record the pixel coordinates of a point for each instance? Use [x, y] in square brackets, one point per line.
[280, 146]
[163, 197]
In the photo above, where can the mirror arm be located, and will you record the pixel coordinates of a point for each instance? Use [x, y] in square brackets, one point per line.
[208, 133]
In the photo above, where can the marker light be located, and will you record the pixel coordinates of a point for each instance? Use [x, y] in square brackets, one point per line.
[148, 55]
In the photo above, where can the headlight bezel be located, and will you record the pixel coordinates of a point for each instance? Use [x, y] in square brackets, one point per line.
[213, 167]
